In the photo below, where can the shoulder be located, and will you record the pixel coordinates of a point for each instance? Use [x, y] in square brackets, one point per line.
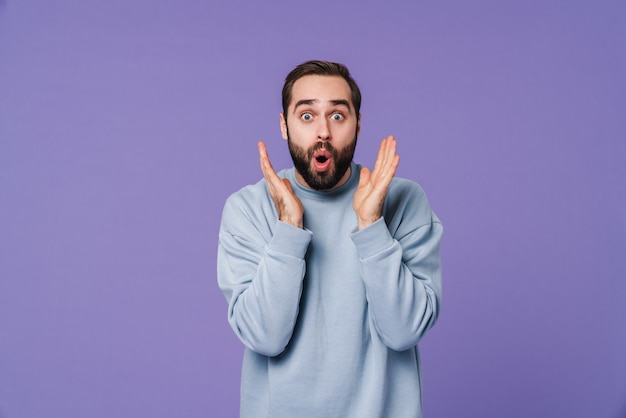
[407, 204]
[251, 195]
[247, 196]
[406, 192]
[248, 207]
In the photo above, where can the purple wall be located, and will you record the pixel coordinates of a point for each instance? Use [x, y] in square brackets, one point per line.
[125, 124]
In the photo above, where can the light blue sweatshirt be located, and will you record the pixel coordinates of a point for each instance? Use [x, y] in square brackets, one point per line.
[330, 316]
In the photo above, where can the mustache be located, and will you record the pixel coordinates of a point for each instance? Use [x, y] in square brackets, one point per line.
[322, 145]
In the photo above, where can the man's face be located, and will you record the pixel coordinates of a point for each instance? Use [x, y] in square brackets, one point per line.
[321, 128]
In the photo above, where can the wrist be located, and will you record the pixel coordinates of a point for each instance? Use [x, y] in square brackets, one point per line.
[364, 223]
[293, 222]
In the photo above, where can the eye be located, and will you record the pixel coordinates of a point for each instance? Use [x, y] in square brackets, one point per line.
[337, 116]
[306, 116]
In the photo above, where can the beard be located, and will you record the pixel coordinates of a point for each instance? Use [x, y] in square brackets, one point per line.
[326, 180]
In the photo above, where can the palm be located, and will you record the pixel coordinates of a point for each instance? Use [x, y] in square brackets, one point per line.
[372, 189]
[288, 206]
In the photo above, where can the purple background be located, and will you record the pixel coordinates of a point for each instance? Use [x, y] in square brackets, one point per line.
[124, 125]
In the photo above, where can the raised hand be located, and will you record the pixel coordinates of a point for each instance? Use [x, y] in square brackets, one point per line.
[372, 190]
[289, 207]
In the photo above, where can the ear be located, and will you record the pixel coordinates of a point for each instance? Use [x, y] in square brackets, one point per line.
[358, 126]
[283, 126]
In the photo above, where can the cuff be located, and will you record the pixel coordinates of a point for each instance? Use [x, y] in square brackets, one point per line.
[290, 240]
[372, 240]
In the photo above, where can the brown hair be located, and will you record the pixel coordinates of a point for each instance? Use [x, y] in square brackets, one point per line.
[317, 67]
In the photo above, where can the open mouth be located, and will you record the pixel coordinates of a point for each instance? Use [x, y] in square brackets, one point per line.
[321, 160]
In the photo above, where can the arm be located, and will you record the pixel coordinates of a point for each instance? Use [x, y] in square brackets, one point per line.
[262, 280]
[401, 270]
[261, 265]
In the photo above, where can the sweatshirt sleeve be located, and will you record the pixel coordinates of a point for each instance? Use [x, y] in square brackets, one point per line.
[400, 264]
[260, 266]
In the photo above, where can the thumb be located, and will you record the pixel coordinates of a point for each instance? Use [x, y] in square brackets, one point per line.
[364, 176]
[288, 184]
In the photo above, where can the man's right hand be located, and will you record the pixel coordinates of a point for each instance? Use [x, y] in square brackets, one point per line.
[289, 207]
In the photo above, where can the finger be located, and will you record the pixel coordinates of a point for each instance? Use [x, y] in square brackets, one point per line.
[389, 165]
[395, 164]
[390, 150]
[364, 176]
[265, 160]
[386, 153]
[394, 154]
[262, 149]
[390, 153]
[379, 157]
[266, 166]
[262, 156]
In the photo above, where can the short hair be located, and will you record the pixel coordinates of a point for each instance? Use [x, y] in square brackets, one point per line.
[318, 67]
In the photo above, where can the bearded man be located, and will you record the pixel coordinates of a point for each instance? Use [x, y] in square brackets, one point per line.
[331, 271]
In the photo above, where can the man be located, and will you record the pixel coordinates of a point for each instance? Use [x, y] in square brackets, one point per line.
[331, 271]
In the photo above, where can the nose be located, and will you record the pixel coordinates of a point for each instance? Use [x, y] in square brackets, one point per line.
[323, 130]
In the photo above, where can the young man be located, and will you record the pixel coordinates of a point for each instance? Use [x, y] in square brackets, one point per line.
[331, 271]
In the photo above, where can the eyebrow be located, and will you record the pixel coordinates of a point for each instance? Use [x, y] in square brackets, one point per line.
[306, 102]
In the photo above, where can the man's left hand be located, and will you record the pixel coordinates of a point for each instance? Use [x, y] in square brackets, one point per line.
[372, 190]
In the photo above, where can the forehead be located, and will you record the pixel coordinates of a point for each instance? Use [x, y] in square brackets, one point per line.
[320, 88]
